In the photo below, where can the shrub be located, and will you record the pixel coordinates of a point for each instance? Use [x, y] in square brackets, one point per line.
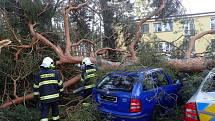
[19, 113]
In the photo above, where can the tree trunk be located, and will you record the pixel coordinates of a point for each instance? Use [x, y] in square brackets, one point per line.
[107, 14]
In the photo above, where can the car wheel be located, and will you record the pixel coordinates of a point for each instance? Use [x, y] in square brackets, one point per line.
[157, 114]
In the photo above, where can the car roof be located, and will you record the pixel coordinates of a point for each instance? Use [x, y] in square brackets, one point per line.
[135, 72]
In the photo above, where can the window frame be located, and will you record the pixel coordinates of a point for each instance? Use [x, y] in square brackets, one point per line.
[162, 26]
[160, 75]
[152, 83]
[212, 23]
[145, 30]
[190, 31]
[164, 47]
[212, 44]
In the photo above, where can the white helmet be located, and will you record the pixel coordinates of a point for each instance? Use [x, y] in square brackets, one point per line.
[86, 61]
[47, 62]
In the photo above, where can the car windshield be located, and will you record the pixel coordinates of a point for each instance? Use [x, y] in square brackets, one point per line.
[120, 83]
[209, 85]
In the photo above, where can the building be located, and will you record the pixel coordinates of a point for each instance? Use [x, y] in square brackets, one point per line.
[178, 31]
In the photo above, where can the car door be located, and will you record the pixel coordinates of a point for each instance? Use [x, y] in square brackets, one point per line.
[149, 95]
[167, 89]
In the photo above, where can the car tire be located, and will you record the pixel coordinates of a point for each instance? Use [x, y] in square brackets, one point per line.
[157, 113]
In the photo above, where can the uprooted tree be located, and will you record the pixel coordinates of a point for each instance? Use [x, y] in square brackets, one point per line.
[63, 30]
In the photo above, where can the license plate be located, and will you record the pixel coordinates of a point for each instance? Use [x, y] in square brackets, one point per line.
[108, 98]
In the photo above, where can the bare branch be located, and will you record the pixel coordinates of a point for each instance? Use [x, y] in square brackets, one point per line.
[85, 41]
[44, 40]
[104, 50]
[66, 12]
[139, 26]
[193, 40]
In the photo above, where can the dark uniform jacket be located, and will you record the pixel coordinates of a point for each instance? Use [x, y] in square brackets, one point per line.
[48, 85]
[88, 72]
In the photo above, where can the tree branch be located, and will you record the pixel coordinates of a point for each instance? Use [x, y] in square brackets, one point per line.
[139, 27]
[104, 50]
[193, 40]
[66, 12]
[44, 40]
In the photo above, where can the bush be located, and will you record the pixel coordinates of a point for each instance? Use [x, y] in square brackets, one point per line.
[85, 113]
[19, 113]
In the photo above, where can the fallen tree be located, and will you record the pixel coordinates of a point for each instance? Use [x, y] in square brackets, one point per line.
[65, 56]
[195, 64]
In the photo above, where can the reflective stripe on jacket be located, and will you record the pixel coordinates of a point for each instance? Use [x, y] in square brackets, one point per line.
[88, 72]
[48, 84]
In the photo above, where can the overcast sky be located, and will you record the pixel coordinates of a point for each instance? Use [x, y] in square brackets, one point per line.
[198, 6]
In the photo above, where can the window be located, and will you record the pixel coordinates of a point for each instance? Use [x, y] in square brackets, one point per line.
[145, 28]
[164, 47]
[159, 78]
[168, 47]
[118, 83]
[154, 80]
[213, 23]
[160, 46]
[189, 28]
[163, 27]
[213, 44]
[148, 82]
[209, 85]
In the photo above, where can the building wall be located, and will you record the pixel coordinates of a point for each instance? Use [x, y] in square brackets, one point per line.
[202, 23]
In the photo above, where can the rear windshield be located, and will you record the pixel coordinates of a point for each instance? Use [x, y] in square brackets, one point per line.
[209, 85]
[119, 83]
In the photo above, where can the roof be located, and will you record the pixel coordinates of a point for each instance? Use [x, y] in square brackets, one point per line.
[212, 14]
[135, 72]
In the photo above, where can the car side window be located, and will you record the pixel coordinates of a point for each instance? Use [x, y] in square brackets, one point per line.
[160, 78]
[209, 85]
[148, 82]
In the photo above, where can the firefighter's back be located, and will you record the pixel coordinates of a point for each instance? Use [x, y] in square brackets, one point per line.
[48, 81]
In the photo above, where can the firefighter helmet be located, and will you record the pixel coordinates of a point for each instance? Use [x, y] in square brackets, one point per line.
[86, 61]
[47, 62]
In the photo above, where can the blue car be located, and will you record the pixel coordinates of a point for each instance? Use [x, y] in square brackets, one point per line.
[139, 95]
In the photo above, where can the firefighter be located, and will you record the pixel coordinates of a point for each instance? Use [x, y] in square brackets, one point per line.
[48, 86]
[88, 70]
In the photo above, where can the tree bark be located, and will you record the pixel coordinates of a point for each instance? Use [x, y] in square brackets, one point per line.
[191, 64]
